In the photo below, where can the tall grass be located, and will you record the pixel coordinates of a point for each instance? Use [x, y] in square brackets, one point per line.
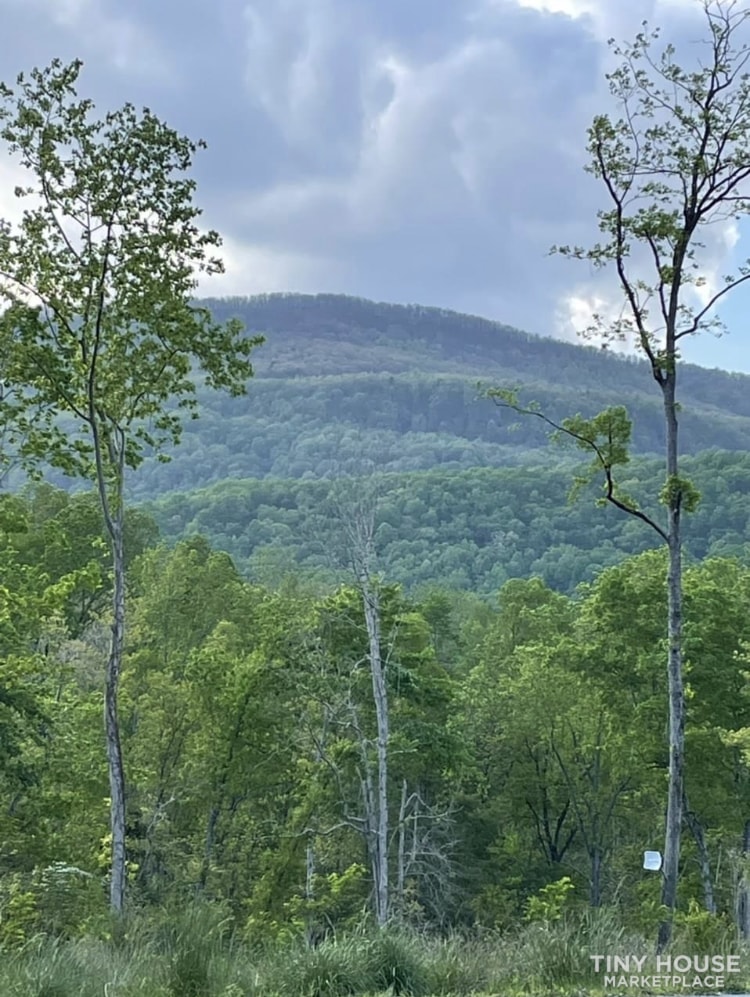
[195, 953]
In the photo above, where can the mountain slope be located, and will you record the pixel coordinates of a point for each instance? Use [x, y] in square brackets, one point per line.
[470, 529]
[343, 385]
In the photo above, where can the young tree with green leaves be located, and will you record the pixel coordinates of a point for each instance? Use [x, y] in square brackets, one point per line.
[675, 161]
[98, 279]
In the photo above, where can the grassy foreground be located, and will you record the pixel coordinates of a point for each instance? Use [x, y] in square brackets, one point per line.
[195, 954]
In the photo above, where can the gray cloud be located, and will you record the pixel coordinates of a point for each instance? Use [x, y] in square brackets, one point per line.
[464, 170]
[426, 151]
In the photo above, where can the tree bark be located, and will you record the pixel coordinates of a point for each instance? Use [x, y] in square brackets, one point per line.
[311, 934]
[359, 527]
[696, 829]
[595, 882]
[676, 691]
[380, 697]
[208, 847]
[743, 898]
[111, 720]
[401, 861]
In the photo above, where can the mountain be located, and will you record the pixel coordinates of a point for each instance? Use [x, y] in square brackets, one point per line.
[471, 494]
[343, 385]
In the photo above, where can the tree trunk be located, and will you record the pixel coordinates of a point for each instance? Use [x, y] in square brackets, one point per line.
[380, 696]
[743, 898]
[674, 672]
[208, 848]
[359, 527]
[401, 865]
[696, 829]
[312, 936]
[595, 882]
[111, 721]
[370, 821]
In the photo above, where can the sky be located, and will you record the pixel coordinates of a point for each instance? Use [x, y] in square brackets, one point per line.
[423, 151]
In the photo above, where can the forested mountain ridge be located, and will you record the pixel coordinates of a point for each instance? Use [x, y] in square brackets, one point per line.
[472, 529]
[342, 384]
[390, 338]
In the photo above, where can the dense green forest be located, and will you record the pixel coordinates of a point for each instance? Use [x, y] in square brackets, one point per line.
[343, 384]
[524, 638]
[526, 772]
[524, 641]
[469, 530]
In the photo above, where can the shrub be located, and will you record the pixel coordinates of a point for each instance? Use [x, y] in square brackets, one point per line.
[699, 931]
[550, 902]
[19, 913]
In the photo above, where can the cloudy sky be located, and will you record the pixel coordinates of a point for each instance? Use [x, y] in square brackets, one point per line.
[424, 151]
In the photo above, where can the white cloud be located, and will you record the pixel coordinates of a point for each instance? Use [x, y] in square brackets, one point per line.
[12, 175]
[595, 8]
[249, 269]
[715, 263]
[576, 312]
[604, 19]
[257, 270]
[603, 296]
[571, 8]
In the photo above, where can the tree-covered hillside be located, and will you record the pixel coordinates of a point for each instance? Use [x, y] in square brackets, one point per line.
[342, 384]
[470, 530]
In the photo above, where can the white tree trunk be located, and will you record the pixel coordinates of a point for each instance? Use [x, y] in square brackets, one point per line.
[380, 698]
[674, 678]
[401, 862]
[111, 721]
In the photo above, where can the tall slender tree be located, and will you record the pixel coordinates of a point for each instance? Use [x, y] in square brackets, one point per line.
[675, 161]
[100, 327]
[358, 527]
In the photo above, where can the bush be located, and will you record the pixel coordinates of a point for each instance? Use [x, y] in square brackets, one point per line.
[550, 902]
[699, 931]
[68, 899]
[19, 913]
[58, 900]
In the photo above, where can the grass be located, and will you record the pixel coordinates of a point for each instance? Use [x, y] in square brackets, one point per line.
[195, 953]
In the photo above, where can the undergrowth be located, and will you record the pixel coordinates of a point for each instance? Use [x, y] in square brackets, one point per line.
[196, 952]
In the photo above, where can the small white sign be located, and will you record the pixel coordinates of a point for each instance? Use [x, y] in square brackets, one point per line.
[652, 861]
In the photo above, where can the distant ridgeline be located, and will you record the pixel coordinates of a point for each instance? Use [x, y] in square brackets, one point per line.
[344, 384]
[469, 529]
[472, 494]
